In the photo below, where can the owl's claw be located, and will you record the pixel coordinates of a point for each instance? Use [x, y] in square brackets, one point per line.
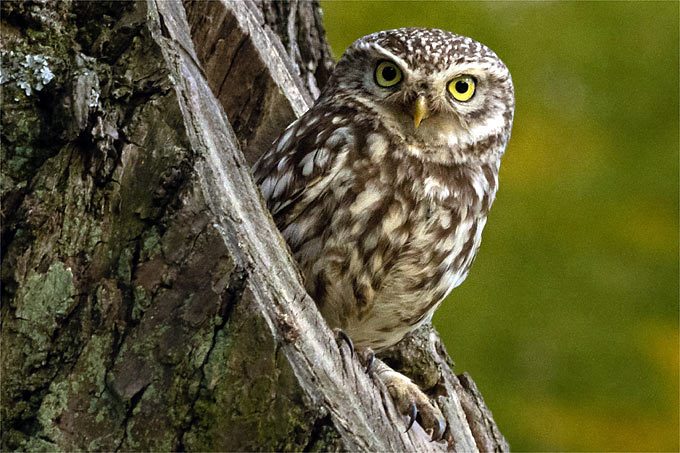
[370, 359]
[438, 433]
[412, 415]
[343, 336]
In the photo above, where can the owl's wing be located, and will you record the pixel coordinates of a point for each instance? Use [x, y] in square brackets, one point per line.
[300, 166]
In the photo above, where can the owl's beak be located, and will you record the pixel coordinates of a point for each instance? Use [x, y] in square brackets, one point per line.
[420, 110]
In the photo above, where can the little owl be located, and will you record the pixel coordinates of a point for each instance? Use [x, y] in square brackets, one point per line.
[382, 188]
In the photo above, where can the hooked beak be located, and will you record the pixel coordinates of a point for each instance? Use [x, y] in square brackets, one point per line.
[420, 110]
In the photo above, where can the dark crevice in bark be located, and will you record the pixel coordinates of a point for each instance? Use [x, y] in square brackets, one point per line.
[323, 436]
[132, 404]
[227, 73]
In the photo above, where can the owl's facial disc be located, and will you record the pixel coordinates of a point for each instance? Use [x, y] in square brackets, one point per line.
[433, 90]
[420, 96]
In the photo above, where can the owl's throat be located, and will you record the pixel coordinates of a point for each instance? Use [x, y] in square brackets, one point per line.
[437, 139]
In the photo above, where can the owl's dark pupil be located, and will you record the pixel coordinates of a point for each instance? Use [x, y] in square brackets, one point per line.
[389, 73]
[461, 87]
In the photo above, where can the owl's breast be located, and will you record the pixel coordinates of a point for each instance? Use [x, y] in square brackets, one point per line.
[381, 285]
[404, 236]
[451, 202]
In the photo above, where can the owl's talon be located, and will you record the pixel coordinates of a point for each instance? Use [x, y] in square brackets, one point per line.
[370, 359]
[438, 433]
[343, 336]
[413, 413]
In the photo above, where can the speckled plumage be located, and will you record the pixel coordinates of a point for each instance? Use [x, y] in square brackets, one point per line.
[383, 217]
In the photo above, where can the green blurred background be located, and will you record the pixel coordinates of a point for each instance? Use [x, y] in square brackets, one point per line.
[568, 321]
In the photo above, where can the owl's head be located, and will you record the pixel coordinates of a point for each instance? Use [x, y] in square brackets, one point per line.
[436, 90]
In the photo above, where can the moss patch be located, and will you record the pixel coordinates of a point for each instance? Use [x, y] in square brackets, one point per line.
[45, 299]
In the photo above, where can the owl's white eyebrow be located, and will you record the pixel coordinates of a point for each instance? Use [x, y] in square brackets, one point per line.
[469, 70]
[389, 55]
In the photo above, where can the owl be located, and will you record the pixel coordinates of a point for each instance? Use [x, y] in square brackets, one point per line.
[382, 188]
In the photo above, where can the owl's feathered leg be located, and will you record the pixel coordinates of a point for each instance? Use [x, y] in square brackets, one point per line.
[410, 400]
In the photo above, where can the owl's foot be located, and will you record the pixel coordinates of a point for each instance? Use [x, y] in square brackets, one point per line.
[407, 396]
[411, 401]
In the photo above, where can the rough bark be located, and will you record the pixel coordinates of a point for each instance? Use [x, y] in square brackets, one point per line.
[148, 301]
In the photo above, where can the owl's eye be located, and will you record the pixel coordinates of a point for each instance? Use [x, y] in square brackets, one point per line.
[462, 88]
[387, 74]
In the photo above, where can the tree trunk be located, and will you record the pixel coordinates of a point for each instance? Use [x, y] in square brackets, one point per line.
[148, 301]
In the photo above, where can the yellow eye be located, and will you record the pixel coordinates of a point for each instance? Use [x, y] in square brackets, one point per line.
[462, 88]
[387, 74]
